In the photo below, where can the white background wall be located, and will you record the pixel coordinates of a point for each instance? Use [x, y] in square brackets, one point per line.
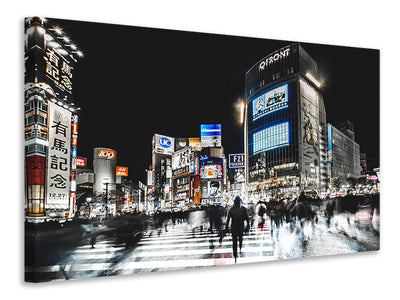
[368, 24]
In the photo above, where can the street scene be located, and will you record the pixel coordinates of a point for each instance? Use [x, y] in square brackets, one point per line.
[177, 240]
[171, 150]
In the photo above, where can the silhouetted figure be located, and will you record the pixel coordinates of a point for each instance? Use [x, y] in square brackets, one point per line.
[238, 214]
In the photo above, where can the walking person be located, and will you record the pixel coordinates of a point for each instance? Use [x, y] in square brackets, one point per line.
[237, 215]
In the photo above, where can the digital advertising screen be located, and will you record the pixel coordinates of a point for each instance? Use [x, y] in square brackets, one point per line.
[210, 135]
[212, 171]
[271, 101]
[271, 137]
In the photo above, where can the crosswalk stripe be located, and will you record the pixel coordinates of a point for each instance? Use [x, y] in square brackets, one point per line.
[199, 244]
[180, 264]
[175, 249]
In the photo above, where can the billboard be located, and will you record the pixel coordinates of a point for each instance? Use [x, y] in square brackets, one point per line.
[181, 143]
[330, 151]
[271, 137]
[195, 143]
[211, 168]
[214, 189]
[163, 144]
[81, 162]
[210, 135]
[52, 60]
[106, 153]
[59, 156]
[196, 189]
[270, 101]
[236, 160]
[182, 158]
[121, 171]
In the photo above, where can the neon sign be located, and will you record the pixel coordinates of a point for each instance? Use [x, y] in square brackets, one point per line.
[109, 154]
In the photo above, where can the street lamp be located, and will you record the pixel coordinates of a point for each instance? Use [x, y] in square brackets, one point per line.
[243, 120]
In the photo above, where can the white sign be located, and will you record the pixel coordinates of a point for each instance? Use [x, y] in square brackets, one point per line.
[164, 144]
[58, 159]
[182, 158]
[274, 57]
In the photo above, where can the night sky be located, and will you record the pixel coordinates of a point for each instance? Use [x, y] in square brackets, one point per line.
[134, 82]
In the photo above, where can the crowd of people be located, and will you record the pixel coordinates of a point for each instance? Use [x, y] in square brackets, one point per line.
[301, 213]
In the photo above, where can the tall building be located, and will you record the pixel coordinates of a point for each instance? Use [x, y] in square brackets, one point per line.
[104, 166]
[51, 121]
[285, 120]
[344, 153]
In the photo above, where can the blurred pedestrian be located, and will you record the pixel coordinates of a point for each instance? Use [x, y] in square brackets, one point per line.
[261, 210]
[197, 220]
[252, 213]
[237, 215]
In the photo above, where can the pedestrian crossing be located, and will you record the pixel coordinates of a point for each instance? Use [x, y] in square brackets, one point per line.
[175, 249]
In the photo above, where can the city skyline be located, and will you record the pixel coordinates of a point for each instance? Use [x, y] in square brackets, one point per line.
[180, 80]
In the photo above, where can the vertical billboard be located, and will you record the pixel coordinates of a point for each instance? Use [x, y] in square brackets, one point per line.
[59, 156]
[309, 139]
[210, 135]
[196, 189]
[330, 151]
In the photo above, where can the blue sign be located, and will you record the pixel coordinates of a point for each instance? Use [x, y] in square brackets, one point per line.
[271, 101]
[210, 130]
[330, 153]
[164, 142]
[271, 137]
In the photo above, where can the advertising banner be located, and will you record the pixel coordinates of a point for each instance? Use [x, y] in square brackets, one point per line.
[181, 143]
[271, 137]
[52, 61]
[310, 120]
[271, 101]
[164, 144]
[236, 160]
[121, 171]
[330, 153]
[211, 168]
[182, 158]
[214, 189]
[59, 157]
[81, 162]
[210, 135]
[196, 189]
[195, 143]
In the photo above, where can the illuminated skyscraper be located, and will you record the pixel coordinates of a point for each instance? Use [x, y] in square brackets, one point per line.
[286, 144]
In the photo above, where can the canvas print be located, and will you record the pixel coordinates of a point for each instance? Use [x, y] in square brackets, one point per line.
[152, 150]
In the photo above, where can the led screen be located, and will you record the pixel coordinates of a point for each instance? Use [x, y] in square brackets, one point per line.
[210, 135]
[271, 137]
[211, 171]
[270, 101]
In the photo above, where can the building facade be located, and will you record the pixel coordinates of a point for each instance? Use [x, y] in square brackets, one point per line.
[51, 121]
[285, 126]
[344, 153]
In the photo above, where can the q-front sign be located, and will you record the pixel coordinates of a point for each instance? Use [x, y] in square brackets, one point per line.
[273, 58]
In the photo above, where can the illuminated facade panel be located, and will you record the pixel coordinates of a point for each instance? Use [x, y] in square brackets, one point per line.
[271, 138]
[270, 101]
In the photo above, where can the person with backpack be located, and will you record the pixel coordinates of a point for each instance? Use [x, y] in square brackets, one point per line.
[237, 215]
[261, 210]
